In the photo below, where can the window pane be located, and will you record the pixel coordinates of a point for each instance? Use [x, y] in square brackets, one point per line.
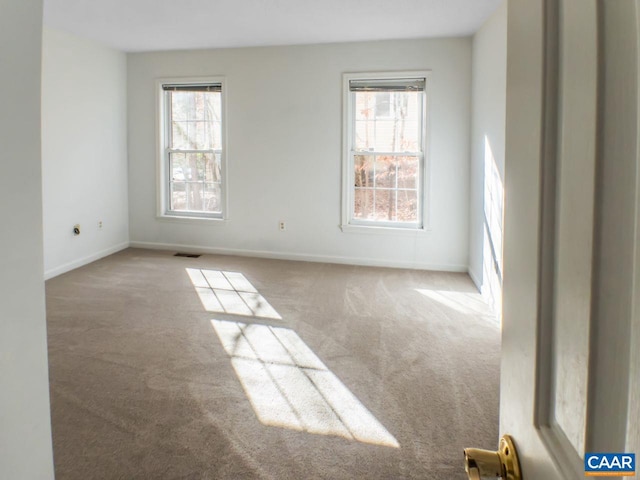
[386, 187]
[408, 172]
[364, 205]
[178, 196]
[409, 136]
[364, 135]
[213, 197]
[195, 120]
[385, 205]
[363, 171]
[383, 104]
[388, 121]
[385, 135]
[385, 172]
[196, 182]
[407, 206]
[365, 105]
[178, 166]
[180, 103]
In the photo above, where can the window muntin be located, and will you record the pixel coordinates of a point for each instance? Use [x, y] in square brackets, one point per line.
[193, 150]
[386, 118]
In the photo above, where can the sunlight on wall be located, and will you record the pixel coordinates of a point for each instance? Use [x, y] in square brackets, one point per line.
[289, 386]
[493, 220]
[229, 292]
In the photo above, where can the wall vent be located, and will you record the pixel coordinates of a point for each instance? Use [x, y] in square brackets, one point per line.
[187, 255]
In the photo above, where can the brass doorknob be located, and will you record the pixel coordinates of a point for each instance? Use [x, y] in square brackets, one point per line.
[502, 463]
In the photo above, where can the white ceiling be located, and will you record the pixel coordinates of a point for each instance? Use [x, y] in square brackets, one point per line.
[145, 25]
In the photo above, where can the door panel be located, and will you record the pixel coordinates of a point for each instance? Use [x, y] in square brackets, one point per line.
[571, 252]
[617, 196]
[633, 432]
[575, 217]
[530, 135]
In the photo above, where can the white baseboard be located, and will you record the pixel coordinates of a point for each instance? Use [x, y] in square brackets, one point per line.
[476, 279]
[303, 257]
[67, 267]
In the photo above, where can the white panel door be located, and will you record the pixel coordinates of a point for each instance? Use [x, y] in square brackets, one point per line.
[569, 379]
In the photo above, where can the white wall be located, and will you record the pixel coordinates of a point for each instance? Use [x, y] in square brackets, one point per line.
[284, 151]
[84, 151]
[25, 426]
[487, 155]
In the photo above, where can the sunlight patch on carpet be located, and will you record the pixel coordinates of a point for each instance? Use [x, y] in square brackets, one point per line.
[289, 386]
[230, 292]
[463, 302]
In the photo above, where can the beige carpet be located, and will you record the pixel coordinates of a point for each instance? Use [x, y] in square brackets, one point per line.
[145, 386]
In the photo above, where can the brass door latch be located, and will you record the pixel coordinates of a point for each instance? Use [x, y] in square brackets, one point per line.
[503, 463]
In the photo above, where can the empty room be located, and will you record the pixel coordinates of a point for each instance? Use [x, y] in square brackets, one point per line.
[279, 239]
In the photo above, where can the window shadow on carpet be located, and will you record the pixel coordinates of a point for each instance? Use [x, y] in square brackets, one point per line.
[289, 386]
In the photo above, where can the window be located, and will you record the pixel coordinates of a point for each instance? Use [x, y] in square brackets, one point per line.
[192, 170]
[384, 164]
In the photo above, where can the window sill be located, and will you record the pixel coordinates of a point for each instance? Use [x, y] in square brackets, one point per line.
[193, 220]
[375, 230]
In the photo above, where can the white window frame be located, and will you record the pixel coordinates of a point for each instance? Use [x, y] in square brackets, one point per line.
[163, 167]
[348, 222]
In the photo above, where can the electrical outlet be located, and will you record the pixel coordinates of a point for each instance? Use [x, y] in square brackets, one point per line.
[100, 225]
[282, 226]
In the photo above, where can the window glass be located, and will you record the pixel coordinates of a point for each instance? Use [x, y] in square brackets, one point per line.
[193, 150]
[386, 151]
